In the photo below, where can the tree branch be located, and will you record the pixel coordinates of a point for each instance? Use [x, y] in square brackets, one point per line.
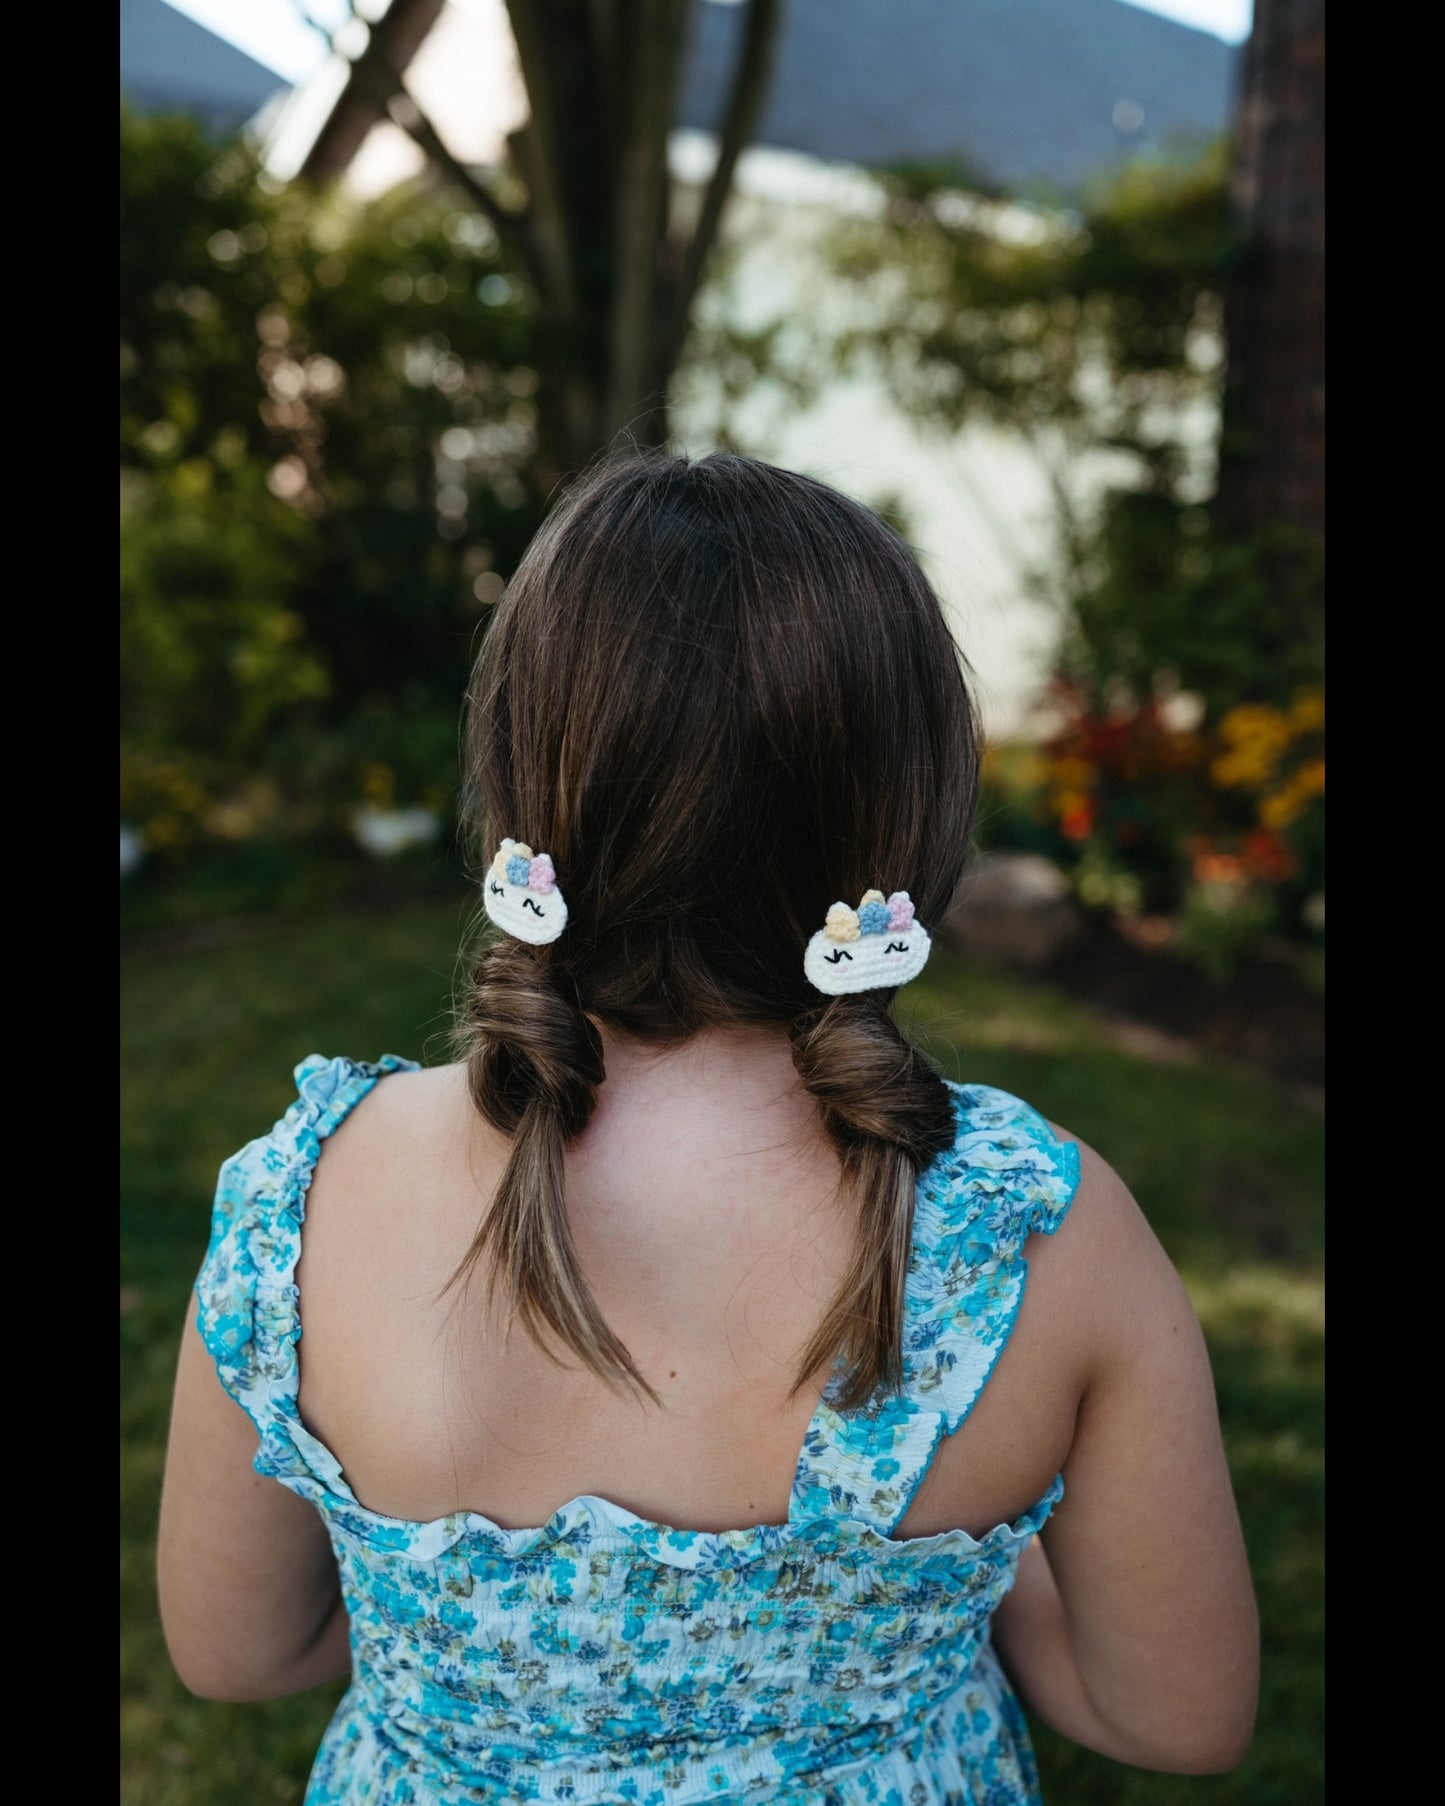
[402, 110]
[375, 79]
[749, 90]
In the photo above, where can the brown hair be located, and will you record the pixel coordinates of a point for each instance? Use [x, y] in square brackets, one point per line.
[721, 696]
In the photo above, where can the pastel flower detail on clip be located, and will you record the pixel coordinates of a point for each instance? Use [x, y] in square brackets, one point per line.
[876, 947]
[873, 912]
[520, 894]
[842, 923]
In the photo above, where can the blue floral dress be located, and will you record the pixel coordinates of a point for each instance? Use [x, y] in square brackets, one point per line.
[604, 1659]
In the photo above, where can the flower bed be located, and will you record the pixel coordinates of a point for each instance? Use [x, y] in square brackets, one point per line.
[1213, 828]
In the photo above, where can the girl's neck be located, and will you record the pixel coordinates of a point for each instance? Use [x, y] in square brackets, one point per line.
[741, 1076]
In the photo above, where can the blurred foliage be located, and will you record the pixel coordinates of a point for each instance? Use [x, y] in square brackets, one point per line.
[327, 435]
[1099, 336]
[1093, 329]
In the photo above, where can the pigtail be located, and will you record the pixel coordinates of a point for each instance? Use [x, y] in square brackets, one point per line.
[534, 1064]
[889, 1114]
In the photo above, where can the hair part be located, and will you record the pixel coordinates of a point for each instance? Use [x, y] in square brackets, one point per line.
[721, 696]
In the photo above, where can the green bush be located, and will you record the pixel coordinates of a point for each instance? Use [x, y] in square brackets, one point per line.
[1185, 769]
[327, 443]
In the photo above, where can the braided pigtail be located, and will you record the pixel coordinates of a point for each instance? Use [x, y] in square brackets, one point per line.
[534, 1064]
[889, 1115]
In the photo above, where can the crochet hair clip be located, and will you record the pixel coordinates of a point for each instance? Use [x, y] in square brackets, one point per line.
[520, 894]
[874, 947]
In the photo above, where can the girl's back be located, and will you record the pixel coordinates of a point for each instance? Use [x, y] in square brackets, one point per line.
[710, 1219]
[672, 1420]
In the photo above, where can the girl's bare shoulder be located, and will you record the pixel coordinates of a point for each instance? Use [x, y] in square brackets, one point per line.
[416, 1135]
[408, 1106]
[1105, 1270]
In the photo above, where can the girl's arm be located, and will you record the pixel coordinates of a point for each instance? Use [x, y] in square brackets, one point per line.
[1031, 1635]
[1132, 1630]
[249, 1593]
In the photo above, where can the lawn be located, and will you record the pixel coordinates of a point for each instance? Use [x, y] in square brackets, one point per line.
[1227, 1168]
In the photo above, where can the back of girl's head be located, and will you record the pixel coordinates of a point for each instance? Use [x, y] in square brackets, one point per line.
[721, 696]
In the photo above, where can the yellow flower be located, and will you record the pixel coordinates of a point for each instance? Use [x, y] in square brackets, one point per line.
[1307, 715]
[1246, 768]
[1310, 779]
[1287, 804]
[1255, 739]
[1255, 721]
[1280, 809]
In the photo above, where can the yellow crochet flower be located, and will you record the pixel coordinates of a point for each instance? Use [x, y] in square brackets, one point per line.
[842, 923]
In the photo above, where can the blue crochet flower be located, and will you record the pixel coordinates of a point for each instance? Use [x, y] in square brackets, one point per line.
[518, 870]
[873, 918]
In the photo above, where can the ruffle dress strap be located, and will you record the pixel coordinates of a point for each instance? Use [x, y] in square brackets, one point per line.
[1006, 1177]
[246, 1289]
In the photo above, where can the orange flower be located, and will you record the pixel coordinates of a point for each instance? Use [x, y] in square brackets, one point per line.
[1219, 868]
[1267, 856]
[1077, 820]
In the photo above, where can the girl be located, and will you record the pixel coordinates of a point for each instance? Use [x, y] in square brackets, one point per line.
[672, 1422]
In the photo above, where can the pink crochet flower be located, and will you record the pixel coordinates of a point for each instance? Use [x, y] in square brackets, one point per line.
[900, 910]
[541, 875]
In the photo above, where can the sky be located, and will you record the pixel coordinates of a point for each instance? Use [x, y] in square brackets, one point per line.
[274, 32]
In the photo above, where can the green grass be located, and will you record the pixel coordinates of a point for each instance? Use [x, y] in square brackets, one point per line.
[1228, 1169]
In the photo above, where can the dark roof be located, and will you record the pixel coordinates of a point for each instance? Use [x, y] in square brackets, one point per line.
[1022, 93]
[169, 63]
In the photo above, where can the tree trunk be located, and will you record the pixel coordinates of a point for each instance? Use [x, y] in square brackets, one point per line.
[1272, 447]
[613, 280]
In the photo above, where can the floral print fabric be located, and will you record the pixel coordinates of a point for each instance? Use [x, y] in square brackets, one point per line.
[609, 1661]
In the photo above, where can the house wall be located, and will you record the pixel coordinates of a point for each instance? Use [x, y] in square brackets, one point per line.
[976, 504]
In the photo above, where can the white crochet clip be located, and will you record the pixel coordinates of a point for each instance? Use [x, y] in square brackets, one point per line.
[521, 896]
[871, 948]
